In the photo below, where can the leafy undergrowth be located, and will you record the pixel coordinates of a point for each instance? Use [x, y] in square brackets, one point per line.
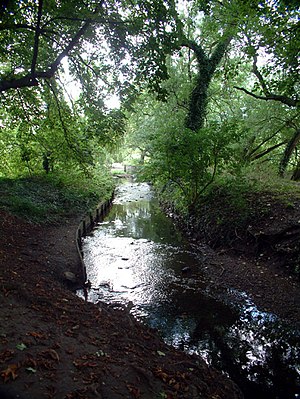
[48, 198]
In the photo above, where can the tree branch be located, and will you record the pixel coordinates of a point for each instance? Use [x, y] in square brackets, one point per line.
[259, 76]
[288, 152]
[36, 38]
[31, 79]
[197, 49]
[267, 151]
[14, 27]
[210, 181]
[275, 97]
[219, 51]
[289, 122]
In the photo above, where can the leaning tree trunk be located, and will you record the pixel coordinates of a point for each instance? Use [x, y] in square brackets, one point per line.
[206, 69]
[296, 174]
[288, 152]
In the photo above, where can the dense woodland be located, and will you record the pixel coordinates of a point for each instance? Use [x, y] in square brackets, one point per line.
[208, 92]
[202, 98]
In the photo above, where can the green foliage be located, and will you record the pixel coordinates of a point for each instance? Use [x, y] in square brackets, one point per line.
[56, 133]
[49, 198]
[109, 44]
[119, 46]
[181, 162]
[229, 195]
[264, 177]
[235, 202]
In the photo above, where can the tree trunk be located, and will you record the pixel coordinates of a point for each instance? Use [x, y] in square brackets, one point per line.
[296, 174]
[206, 69]
[288, 152]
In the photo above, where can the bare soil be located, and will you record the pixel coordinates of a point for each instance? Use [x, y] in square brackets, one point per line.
[258, 254]
[55, 345]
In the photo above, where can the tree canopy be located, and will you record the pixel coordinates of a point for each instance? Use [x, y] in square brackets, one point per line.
[234, 84]
[37, 35]
[107, 45]
[208, 86]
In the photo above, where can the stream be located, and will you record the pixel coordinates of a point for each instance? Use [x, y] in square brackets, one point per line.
[136, 259]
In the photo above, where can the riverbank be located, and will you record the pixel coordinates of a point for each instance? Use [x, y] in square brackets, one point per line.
[251, 244]
[55, 345]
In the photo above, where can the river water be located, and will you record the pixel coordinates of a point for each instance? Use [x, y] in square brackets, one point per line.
[137, 259]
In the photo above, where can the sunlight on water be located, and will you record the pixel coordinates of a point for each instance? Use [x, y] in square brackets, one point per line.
[135, 258]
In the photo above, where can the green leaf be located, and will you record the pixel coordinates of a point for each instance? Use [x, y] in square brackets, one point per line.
[161, 353]
[31, 370]
[21, 346]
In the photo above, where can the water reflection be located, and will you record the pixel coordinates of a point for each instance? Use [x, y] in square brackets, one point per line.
[135, 258]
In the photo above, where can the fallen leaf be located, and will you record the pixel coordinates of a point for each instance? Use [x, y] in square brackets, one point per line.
[31, 370]
[10, 372]
[176, 386]
[172, 381]
[21, 346]
[36, 335]
[6, 355]
[161, 374]
[161, 353]
[30, 362]
[79, 363]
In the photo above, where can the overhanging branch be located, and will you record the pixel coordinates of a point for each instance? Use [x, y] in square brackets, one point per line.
[259, 76]
[274, 97]
[31, 79]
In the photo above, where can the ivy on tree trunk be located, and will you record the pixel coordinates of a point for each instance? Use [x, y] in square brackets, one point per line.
[206, 69]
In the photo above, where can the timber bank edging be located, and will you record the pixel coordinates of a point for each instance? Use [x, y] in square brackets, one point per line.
[87, 224]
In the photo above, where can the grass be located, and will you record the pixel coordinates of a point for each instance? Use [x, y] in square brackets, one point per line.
[49, 198]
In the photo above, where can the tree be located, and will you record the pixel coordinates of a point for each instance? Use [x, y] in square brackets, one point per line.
[124, 45]
[260, 28]
[37, 36]
[181, 162]
[219, 25]
[274, 33]
[104, 43]
[208, 127]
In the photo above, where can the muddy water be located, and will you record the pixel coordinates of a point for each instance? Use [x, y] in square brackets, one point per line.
[137, 259]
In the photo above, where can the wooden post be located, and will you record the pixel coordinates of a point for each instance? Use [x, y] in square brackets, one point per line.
[79, 239]
[83, 228]
[91, 222]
